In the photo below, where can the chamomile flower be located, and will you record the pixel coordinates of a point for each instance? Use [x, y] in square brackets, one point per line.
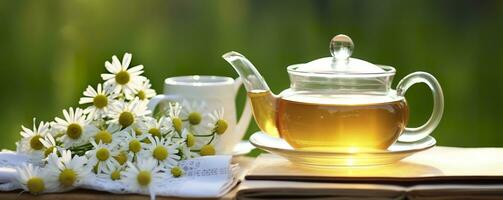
[75, 127]
[132, 143]
[173, 112]
[122, 157]
[65, 171]
[49, 144]
[193, 111]
[187, 153]
[218, 123]
[122, 79]
[188, 139]
[176, 171]
[101, 100]
[157, 128]
[30, 143]
[128, 113]
[163, 151]
[33, 179]
[108, 135]
[207, 150]
[113, 172]
[143, 176]
[101, 156]
[144, 93]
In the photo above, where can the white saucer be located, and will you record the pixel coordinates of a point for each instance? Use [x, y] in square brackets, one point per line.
[242, 148]
[394, 153]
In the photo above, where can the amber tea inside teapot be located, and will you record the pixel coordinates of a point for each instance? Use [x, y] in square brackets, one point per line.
[337, 103]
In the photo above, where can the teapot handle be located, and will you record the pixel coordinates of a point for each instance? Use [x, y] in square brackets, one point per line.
[418, 133]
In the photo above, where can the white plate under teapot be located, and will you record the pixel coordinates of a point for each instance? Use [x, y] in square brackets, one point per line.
[394, 153]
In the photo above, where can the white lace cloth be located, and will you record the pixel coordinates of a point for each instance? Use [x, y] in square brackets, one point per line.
[205, 177]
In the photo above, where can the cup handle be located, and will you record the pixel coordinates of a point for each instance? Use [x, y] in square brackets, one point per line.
[246, 115]
[154, 101]
[418, 133]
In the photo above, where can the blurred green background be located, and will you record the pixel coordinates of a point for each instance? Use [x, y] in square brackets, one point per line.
[51, 50]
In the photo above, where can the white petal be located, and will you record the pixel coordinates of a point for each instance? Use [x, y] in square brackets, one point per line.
[100, 90]
[85, 100]
[60, 122]
[116, 63]
[68, 114]
[107, 76]
[89, 91]
[126, 60]
[45, 143]
[135, 69]
[110, 67]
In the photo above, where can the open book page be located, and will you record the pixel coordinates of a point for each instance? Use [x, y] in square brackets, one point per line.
[438, 164]
[438, 173]
[455, 191]
[260, 189]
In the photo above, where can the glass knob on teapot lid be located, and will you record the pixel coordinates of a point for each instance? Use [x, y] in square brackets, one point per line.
[341, 48]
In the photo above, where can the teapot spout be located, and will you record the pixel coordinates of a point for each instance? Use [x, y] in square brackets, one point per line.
[251, 78]
[262, 99]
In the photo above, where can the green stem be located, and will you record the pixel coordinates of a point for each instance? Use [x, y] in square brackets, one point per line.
[79, 153]
[208, 135]
[83, 146]
[212, 138]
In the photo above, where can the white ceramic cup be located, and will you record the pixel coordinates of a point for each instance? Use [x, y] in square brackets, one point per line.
[216, 92]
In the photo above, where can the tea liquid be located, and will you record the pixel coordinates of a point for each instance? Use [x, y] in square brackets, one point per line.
[264, 111]
[338, 123]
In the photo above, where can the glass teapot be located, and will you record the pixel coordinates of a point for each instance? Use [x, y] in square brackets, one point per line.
[337, 103]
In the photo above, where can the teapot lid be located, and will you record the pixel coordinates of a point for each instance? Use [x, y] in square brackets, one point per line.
[341, 74]
[341, 48]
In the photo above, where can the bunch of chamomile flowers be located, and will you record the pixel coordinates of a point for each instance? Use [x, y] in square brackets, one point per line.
[117, 137]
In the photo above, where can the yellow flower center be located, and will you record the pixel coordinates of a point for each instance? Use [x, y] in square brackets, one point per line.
[102, 154]
[134, 146]
[35, 142]
[100, 101]
[104, 136]
[155, 132]
[35, 185]
[122, 77]
[207, 150]
[160, 153]
[126, 119]
[48, 151]
[137, 131]
[74, 131]
[115, 175]
[221, 126]
[67, 177]
[177, 123]
[141, 95]
[176, 172]
[144, 178]
[121, 158]
[194, 118]
[191, 140]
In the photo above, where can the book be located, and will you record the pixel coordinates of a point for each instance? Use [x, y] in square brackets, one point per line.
[437, 173]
